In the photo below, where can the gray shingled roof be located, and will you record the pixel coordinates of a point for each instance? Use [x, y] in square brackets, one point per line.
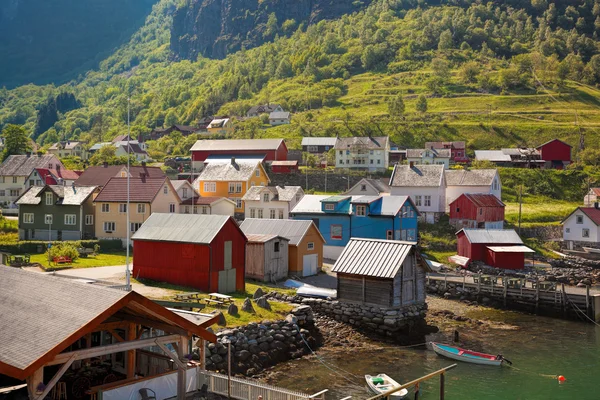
[417, 176]
[237, 144]
[491, 155]
[373, 142]
[372, 257]
[279, 115]
[294, 230]
[241, 171]
[492, 236]
[472, 177]
[39, 312]
[22, 165]
[319, 141]
[69, 196]
[377, 184]
[183, 228]
[286, 193]
[418, 153]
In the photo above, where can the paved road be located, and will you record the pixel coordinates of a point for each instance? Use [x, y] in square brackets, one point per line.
[115, 273]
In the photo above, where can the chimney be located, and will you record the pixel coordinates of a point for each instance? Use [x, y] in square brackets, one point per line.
[105, 164]
[232, 160]
[57, 167]
[412, 164]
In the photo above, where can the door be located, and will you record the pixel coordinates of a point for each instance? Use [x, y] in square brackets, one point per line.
[227, 281]
[309, 264]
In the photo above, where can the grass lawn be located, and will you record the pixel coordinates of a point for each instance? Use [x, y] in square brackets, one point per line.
[101, 260]
[539, 211]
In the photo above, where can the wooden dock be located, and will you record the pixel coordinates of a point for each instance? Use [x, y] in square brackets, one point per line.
[585, 305]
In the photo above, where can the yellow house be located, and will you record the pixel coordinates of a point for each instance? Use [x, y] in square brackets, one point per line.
[146, 196]
[231, 178]
[221, 126]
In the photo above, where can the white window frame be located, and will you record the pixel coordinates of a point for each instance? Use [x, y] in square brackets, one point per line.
[310, 246]
[171, 207]
[329, 206]
[337, 227]
[389, 235]
[49, 199]
[265, 197]
[205, 210]
[166, 189]
[28, 218]
[231, 187]
[238, 187]
[253, 213]
[585, 233]
[184, 193]
[418, 200]
[579, 219]
[260, 213]
[361, 211]
[89, 219]
[48, 219]
[122, 208]
[141, 208]
[272, 213]
[210, 187]
[70, 219]
[281, 213]
[427, 202]
[257, 172]
[109, 226]
[134, 225]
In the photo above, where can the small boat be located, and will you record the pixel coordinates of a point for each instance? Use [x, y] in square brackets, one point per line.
[474, 357]
[591, 250]
[382, 383]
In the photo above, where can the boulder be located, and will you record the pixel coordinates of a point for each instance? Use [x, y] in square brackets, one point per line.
[258, 294]
[222, 321]
[232, 309]
[263, 303]
[247, 305]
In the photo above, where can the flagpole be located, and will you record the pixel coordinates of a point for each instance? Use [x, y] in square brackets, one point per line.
[127, 228]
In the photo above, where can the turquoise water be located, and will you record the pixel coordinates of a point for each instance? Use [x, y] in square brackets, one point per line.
[540, 348]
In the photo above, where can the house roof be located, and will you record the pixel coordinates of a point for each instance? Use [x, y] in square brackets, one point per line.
[65, 174]
[376, 184]
[99, 175]
[553, 140]
[495, 236]
[471, 177]
[418, 153]
[369, 142]
[141, 190]
[417, 176]
[263, 109]
[237, 144]
[596, 191]
[98, 146]
[185, 128]
[68, 195]
[319, 141]
[263, 238]
[286, 193]
[309, 204]
[218, 123]
[482, 199]
[54, 312]
[204, 201]
[390, 205]
[178, 183]
[492, 155]
[294, 230]
[510, 249]
[287, 163]
[443, 145]
[182, 228]
[371, 257]
[67, 145]
[279, 115]
[134, 148]
[242, 170]
[46, 176]
[22, 165]
[592, 213]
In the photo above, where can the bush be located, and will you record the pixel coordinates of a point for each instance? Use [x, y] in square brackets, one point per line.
[39, 246]
[64, 249]
[110, 244]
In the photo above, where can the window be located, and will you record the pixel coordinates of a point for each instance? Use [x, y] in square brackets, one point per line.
[313, 149]
[298, 197]
[585, 233]
[336, 232]
[252, 184]
[48, 219]
[184, 194]
[481, 211]
[568, 230]
[238, 187]
[329, 207]
[141, 208]
[579, 219]
[427, 201]
[457, 209]
[389, 235]
[205, 210]
[135, 226]
[14, 179]
[411, 235]
[310, 245]
[123, 174]
[371, 161]
[253, 213]
[280, 213]
[266, 197]
[210, 186]
[276, 247]
[231, 187]
[105, 207]
[378, 161]
[49, 199]
[371, 152]
[238, 202]
[89, 219]
[3, 193]
[257, 172]
[28, 218]
[272, 213]
[31, 182]
[195, 209]
[363, 188]
[109, 227]
[341, 152]
[14, 192]
[166, 190]
[70, 219]
[123, 208]
[361, 211]
[347, 161]
[186, 209]
[38, 182]
[418, 200]
[172, 207]
[260, 213]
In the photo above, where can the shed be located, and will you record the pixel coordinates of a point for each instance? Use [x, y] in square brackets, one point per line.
[555, 153]
[207, 252]
[507, 257]
[380, 272]
[267, 257]
[284, 167]
[477, 210]
[474, 243]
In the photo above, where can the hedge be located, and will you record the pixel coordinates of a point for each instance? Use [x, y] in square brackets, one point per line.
[31, 246]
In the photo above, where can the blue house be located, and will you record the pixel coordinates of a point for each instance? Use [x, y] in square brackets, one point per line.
[342, 217]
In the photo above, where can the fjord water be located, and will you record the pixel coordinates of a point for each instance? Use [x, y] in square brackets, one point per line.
[539, 347]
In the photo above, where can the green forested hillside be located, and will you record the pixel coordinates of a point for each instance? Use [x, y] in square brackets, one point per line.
[493, 74]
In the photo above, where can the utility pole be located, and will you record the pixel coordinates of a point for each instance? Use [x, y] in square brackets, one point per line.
[520, 205]
[127, 226]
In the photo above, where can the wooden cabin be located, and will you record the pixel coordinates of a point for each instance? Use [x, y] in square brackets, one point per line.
[380, 272]
[500, 248]
[267, 257]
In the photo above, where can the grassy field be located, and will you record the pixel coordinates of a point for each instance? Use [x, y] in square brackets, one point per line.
[101, 260]
[539, 211]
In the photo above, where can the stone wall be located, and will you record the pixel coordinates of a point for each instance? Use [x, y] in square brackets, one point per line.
[543, 232]
[336, 182]
[389, 322]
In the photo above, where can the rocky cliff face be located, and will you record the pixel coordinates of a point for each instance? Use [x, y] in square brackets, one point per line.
[215, 28]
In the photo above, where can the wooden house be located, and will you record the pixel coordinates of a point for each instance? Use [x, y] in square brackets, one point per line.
[207, 252]
[284, 167]
[269, 149]
[477, 210]
[500, 248]
[267, 257]
[555, 153]
[93, 339]
[380, 272]
[318, 145]
[581, 228]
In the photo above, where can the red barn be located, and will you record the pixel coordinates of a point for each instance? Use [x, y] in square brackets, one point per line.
[270, 149]
[556, 154]
[492, 246]
[477, 210]
[207, 252]
[284, 167]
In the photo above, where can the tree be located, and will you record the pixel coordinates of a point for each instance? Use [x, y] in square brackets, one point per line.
[368, 57]
[421, 104]
[284, 70]
[171, 118]
[446, 41]
[396, 106]
[15, 140]
[468, 72]
[271, 27]
[105, 154]
[441, 69]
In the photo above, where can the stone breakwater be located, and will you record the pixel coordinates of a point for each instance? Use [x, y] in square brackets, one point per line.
[388, 322]
[257, 346]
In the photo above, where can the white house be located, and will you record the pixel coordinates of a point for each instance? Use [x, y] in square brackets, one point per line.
[591, 197]
[135, 149]
[256, 111]
[426, 186]
[369, 187]
[184, 189]
[280, 118]
[69, 149]
[271, 202]
[208, 206]
[429, 157]
[461, 181]
[368, 152]
[582, 228]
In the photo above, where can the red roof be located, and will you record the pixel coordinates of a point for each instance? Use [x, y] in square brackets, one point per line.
[551, 141]
[141, 190]
[593, 213]
[46, 176]
[66, 174]
[484, 199]
[596, 191]
[99, 175]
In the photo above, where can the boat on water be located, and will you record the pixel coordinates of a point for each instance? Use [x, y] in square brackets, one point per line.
[474, 357]
[382, 383]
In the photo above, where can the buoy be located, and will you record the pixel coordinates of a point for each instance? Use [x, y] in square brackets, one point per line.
[561, 379]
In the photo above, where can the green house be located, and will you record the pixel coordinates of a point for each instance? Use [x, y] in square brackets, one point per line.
[55, 212]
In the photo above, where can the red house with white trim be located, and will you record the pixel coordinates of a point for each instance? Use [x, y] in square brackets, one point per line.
[555, 153]
[477, 210]
[499, 248]
[207, 252]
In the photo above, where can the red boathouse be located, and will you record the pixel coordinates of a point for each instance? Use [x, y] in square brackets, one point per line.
[284, 167]
[207, 252]
[270, 149]
[556, 154]
[499, 248]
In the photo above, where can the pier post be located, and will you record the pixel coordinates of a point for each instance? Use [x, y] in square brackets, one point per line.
[587, 300]
[417, 391]
[442, 386]
[464, 280]
[505, 284]
[564, 300]
[479, 285]
[537, 295]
